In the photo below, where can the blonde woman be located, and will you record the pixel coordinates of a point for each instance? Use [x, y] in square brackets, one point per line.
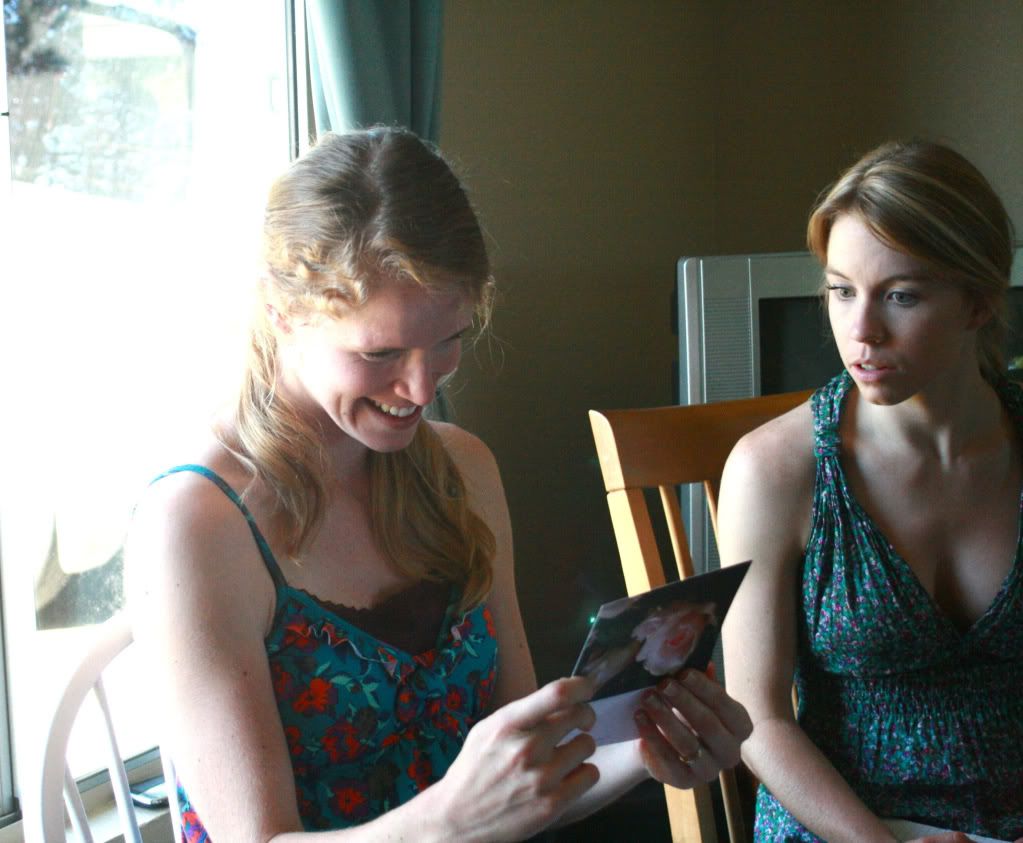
[883, 518]
[328, 586]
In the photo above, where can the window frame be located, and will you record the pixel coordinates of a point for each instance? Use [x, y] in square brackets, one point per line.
[9, 809]
[299, 109]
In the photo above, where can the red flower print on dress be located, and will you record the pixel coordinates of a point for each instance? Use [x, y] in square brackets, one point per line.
[317, 697]
[294, 737]
[192, 829]
[298, 634]
[406, 706]
[420, 770]
[350, 798]
[341, 743]
[488, 619]
[449, 725]
[455, 700]
[283, 681]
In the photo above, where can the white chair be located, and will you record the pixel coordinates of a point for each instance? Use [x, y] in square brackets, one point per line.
[57, 786]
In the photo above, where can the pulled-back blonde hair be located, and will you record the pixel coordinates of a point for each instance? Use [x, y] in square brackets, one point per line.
[926, 200]
[355, 212]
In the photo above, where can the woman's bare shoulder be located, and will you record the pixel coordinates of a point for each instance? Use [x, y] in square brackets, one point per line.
[188, 537]
[778, 453]
[767, 490]
[185, 502]
[475, 461]
[481, 475]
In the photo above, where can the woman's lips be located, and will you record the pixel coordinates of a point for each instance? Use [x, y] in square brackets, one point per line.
[405, 417]
[871, 372]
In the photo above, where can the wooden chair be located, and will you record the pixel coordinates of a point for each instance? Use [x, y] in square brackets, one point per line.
[57, 788]
[663, 448]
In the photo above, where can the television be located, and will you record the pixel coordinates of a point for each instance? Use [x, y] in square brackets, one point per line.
[754, 325]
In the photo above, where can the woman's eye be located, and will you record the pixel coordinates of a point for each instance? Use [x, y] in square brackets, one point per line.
[380, 356]
[839, 292]
[902, 297]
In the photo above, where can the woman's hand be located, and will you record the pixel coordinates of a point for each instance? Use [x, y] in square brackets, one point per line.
[948, 837]
[690, 730]
[512, 779]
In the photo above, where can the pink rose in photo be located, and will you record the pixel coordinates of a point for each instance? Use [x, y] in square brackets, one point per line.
[669, 635]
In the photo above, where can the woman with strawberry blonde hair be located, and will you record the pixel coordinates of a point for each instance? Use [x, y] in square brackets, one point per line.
[327, 586]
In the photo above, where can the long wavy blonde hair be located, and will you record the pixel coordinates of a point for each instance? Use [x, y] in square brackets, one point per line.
[926, 200]
[357, 211]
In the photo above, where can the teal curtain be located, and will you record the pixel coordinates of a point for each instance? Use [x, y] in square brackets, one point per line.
[375, 61]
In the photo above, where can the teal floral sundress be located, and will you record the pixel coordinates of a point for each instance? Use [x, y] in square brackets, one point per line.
[368, 725]
[923, 720]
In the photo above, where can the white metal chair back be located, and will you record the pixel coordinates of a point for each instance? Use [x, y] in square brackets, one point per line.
[57, 786]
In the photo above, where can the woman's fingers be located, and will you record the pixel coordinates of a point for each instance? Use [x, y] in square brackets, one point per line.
[721, 723]
[568, 758]
[661, 759]
[556, 726]
[532, 710]
[514, 775]
[538, 725]
[730, 713]
[699, 728]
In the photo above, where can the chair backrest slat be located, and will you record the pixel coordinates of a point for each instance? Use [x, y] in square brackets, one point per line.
[676, 530]
[115, 766]
[75, 808]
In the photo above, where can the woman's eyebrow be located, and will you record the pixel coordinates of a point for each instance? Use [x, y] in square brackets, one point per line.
[896, 276]
[371, 347]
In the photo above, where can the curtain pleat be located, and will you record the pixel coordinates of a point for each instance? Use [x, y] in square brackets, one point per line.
[375, 61]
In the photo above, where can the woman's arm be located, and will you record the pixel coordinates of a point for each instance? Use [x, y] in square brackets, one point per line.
[201, 599]
[764, 515]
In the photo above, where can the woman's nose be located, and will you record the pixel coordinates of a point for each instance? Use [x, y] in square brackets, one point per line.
[418, 382]
[867, 325]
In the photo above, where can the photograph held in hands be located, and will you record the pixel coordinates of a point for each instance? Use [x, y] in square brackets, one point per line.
[637, 641]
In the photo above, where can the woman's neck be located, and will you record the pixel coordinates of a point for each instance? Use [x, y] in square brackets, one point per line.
[950, 419]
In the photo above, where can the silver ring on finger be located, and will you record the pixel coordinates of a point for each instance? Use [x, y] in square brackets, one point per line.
[696, 756]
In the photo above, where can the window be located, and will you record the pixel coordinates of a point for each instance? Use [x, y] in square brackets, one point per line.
[143, 136]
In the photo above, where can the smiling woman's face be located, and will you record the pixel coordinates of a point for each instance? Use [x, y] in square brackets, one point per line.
[367, 375]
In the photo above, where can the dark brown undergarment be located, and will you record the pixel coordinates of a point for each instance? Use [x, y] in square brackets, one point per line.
[409, 619]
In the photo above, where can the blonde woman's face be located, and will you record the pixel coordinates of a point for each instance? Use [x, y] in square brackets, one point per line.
[899, 329]
[366, 376]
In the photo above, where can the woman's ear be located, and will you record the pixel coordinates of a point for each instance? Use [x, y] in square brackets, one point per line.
[980, 315]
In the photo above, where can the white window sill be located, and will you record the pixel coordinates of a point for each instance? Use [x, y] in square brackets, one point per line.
[155, 826]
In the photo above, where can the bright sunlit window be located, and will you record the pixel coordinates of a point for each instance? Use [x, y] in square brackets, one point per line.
[143, 136]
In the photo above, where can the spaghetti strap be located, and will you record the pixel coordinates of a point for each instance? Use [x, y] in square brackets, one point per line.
[261, 542]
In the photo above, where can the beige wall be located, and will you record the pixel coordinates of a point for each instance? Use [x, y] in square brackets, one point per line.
[603, 140]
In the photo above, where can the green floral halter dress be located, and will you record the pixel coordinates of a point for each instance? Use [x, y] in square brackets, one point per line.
[922, 719]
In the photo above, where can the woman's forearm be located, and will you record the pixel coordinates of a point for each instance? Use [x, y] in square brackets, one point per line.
[416, 820]
[799, 776]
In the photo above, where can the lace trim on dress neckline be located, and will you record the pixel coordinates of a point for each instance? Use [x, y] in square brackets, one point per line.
[427, 587]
